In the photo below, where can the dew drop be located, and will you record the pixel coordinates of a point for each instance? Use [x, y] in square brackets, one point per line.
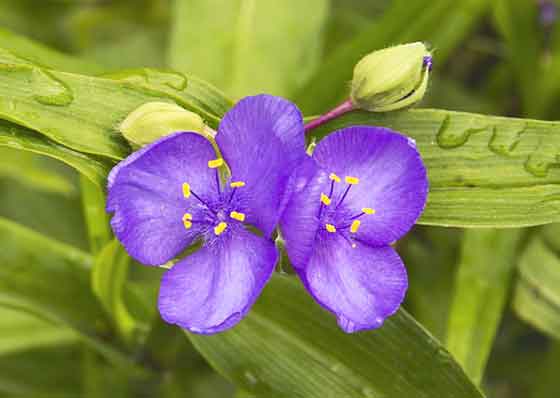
[48, 90]
[369, 393]
[504, 141]
[152, 78]
[336, 367]
[450, 136]
[251, 378]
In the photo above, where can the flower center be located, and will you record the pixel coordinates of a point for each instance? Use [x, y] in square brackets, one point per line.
[336, 218]
[218, 214]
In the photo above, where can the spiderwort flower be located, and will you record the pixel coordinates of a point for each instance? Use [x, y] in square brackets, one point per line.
[363, 188]
[169, 195]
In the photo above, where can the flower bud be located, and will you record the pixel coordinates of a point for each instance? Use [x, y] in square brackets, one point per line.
[391, 78]
[154, 120]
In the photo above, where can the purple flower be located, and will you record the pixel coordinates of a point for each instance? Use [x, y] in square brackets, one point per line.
[547, 13]
[363, 188]
[169, 195]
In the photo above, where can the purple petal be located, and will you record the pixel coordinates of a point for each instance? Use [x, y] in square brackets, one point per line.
[362, 285]
[392, 179]
[214, 288]
[262, 140]
[299, 222]
[146, 196]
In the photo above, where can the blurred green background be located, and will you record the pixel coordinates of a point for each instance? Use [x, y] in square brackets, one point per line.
[495, 57]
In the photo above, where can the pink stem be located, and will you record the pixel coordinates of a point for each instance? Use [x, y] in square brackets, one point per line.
[340, 110]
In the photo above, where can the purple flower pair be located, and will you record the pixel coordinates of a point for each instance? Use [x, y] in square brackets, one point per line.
[363, 188]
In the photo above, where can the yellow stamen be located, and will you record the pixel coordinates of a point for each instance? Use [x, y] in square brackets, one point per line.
[351, 180]
[221, 227]
[213, 164]
[186, 220]
[355, 225]
[237, 184]
[334, 177]
[330, 228]
[368, 210]
[186, 189]
[237, 216]
[325, 199]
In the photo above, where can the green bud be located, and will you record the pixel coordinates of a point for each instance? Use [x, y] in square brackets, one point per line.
[154, 120]
[391, 78]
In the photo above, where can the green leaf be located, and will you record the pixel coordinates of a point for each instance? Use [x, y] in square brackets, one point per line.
[443, 23]
[44, 372]
[108, 280]
[537, 294]
[40, 54]
[83, 112]
[430, 255]
[21, 138]
[488, 260]
[517, 21]
[546, 381]
[289, 347]
[484, 171]
[20, 331]
[97, 220]
[31, 171]
[51, 280]
[249, 46]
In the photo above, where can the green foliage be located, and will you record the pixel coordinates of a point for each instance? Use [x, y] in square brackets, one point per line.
[79, 318]
[288, 346]
[244, 40]
[537, 293]
[108, 280]
[488, 259]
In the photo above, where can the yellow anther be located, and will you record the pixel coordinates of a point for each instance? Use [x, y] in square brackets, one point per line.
[221, 227]
[237, 216]
[330, 228]
[214, 164]
[186, 189]
[368, 210]
[334, 177]
[351, 180]
[237, 184]
[325, 199]
[355, 225]
[187, 217]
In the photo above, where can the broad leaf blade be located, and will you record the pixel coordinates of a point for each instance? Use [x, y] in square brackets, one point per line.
[33, 172]
[484, 171]
[51, 280]
[21, 138]
[488, 260]
[108, 280]
[250, 46]
[20, 331]
[96, 218]
[43, 55]
[537, 294]
[289, 347]
[83, 112]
